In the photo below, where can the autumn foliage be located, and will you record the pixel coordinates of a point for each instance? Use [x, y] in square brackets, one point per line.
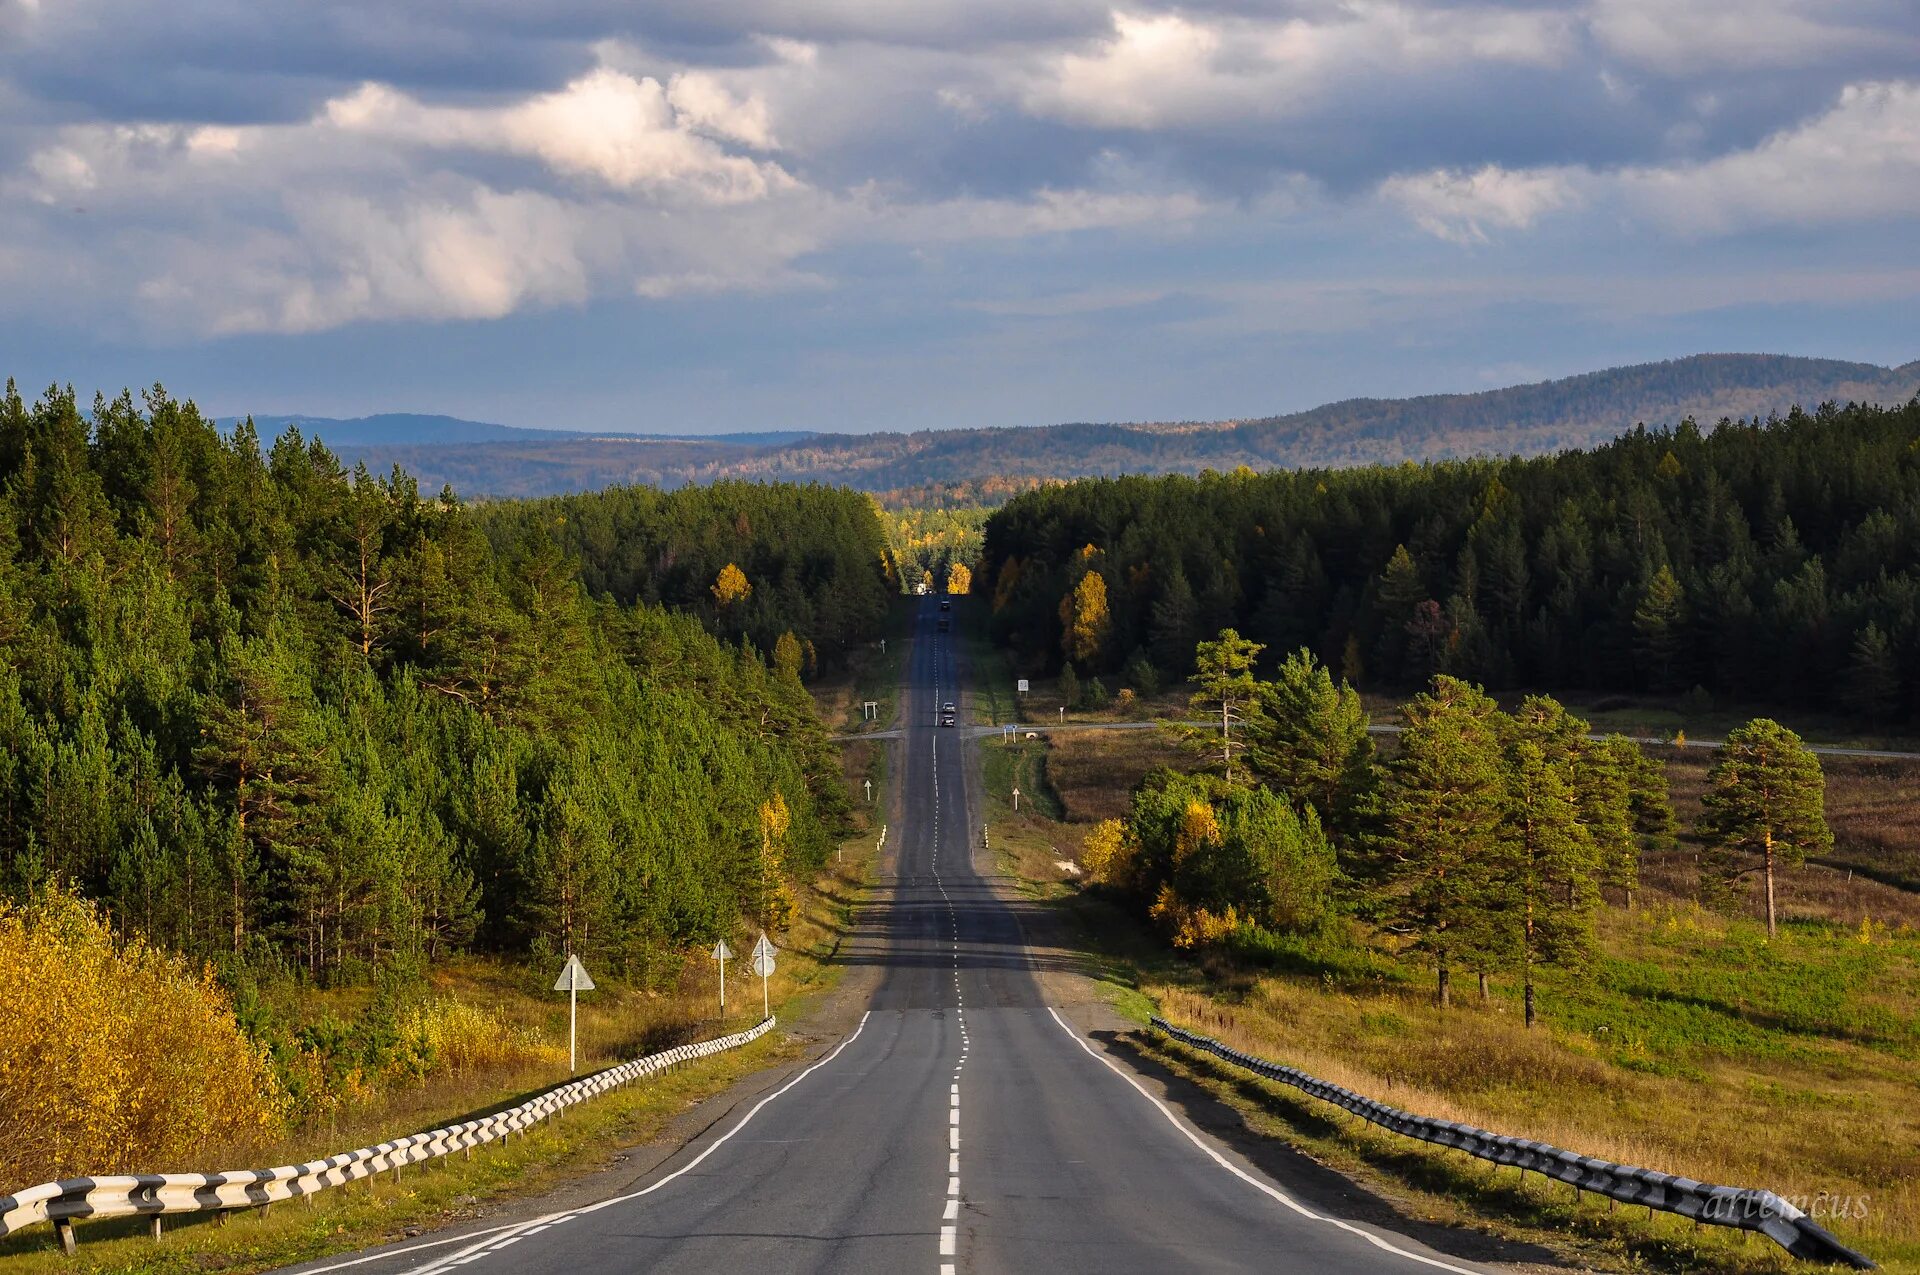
[116, 1057]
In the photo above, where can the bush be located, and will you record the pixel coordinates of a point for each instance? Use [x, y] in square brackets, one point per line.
[116, 1057]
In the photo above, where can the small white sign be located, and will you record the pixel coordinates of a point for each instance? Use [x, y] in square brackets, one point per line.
[763, 958]
[573, 977]
[1023, 686]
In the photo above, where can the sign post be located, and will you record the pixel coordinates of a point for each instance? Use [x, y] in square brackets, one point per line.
[1016, 799]
[573, 980]
[869, 784]
[1022, 686]
[720, 953]
[763, 966]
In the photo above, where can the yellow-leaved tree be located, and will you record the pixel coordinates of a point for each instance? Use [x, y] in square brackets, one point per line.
[1084, 614]
[777, 906]
[959, 578]
[1107, 854]
[116, 1057]
[731, 586]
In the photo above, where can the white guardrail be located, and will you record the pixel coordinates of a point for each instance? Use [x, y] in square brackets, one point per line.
[1744, 1207]
[157, 1194]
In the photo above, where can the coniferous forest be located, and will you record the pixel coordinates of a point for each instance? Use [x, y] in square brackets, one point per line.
[1773, 560]
[273, 711]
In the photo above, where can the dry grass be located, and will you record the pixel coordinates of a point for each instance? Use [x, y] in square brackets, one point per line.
[1692, 1044]
[1094, 771]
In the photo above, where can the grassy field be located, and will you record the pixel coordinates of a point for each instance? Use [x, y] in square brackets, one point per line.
[615, 1024]
[1692, 1044]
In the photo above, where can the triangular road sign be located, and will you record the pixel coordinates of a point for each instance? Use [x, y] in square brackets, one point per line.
[721, 952]
[762, 948]
[573, 977]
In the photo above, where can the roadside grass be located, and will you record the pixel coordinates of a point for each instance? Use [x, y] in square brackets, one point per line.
[1691, 1044]
[870, 674]
[618, 1024]
[990, 679]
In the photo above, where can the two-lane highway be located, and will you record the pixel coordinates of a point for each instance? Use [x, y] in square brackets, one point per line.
[964, 1126]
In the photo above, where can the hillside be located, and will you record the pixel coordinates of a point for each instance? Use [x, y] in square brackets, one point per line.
[1530, 419]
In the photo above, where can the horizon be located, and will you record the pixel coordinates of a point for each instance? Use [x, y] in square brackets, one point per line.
[228, 419]
[738, 217]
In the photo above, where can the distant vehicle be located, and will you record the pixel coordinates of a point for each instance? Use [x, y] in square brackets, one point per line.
[950, 708]
[946, 604]
[947, 720]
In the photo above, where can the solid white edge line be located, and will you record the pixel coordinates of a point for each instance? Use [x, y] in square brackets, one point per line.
[477, 1250]
[1242, 1174]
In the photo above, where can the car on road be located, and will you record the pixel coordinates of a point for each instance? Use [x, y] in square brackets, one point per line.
[946, 604]
[949, 708]
[947, 719]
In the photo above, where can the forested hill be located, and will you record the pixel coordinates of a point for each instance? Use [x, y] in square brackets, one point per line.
[292, 716]
[1775, 561]
[813, 560]
[1579, 411]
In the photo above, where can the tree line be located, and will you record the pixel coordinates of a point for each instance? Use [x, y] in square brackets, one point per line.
[815, 560]
[1483, 844]
[276, 712]
[1775, 559]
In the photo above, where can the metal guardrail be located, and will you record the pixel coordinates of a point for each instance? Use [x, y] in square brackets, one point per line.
[1743, 1207]
[157, 1194]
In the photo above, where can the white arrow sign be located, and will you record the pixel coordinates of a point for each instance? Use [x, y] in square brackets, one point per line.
[573, 980]
[722, 953]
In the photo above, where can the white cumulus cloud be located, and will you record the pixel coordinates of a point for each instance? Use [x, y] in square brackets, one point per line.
[1461, 206]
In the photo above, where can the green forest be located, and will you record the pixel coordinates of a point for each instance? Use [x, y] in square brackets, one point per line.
[290, 717]
[815, 558]
[1774, 561]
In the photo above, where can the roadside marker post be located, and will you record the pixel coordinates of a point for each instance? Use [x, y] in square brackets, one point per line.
[720, 953]
[869, 784]
[1016, 799]
[573, 980]
[763, 966]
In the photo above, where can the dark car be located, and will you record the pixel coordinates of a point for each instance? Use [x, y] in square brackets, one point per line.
[946, 604]
[947, 720]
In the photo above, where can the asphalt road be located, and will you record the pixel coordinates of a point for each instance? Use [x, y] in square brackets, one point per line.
[964, 1126]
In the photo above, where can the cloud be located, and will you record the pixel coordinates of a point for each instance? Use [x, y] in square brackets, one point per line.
[1173, 69]
[1459, 206]
[624, 132]
[1859, 161]
[1687, 38]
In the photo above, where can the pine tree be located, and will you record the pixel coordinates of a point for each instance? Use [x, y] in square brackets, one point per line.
[1659, 629]
[1765, 796]
[1223, 671]
[1174, 629]
[1309, 739]
[1872, 685]
[1549, 874]
[1443, 810]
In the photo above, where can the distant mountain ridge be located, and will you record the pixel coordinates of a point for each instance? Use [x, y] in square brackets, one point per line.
[413, 429]
[1545, 416]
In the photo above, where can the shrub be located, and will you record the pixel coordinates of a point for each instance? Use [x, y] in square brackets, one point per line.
[116, 1057]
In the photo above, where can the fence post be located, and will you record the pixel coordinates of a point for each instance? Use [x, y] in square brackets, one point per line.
[63, 1231]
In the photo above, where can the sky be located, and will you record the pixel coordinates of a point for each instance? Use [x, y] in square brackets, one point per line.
[710, 215]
